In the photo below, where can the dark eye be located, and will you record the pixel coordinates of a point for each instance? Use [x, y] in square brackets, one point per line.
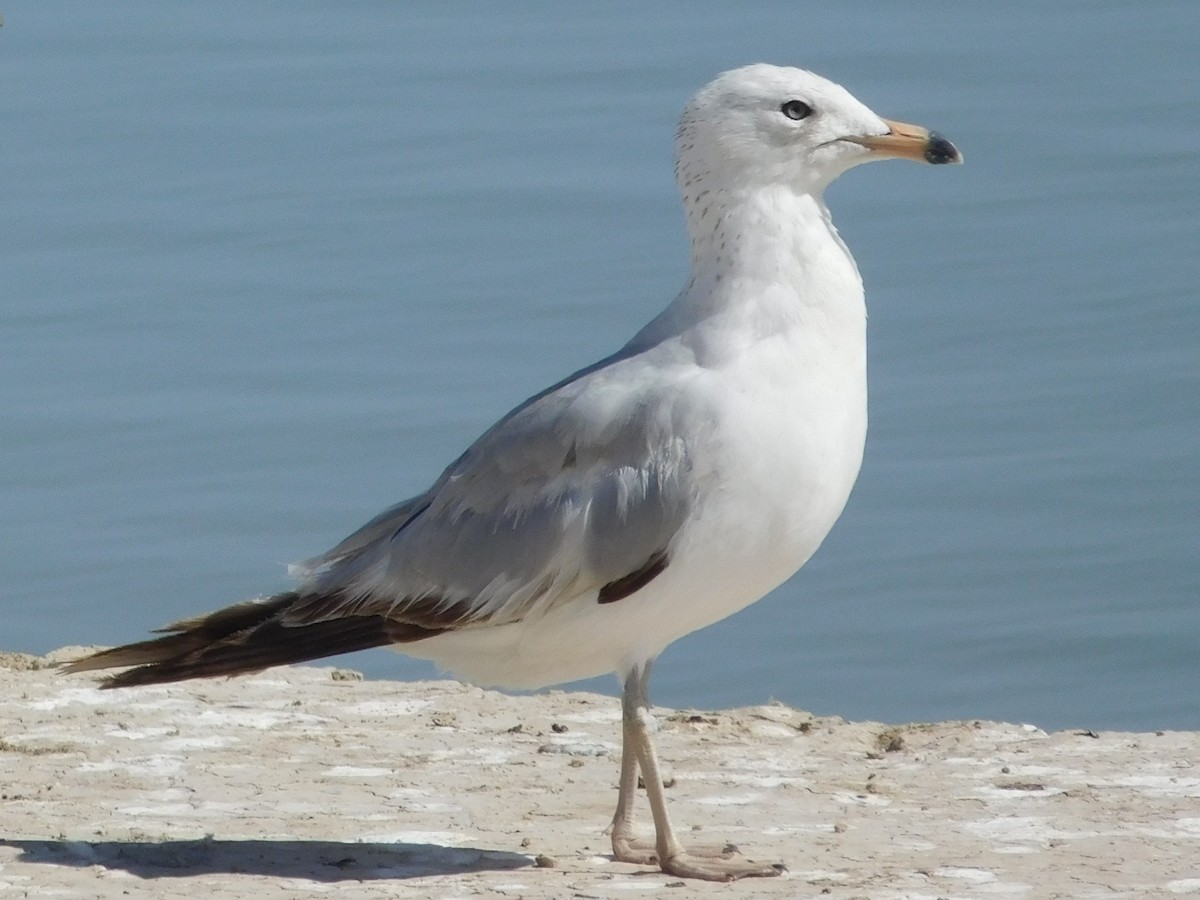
[796, 109]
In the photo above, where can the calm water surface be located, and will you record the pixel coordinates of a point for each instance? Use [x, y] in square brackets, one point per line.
[265, 271]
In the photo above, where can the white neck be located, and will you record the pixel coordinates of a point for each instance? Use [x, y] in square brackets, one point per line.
[773, 234]
[768, 261]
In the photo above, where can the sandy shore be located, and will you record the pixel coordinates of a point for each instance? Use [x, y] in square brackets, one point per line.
[302, 782]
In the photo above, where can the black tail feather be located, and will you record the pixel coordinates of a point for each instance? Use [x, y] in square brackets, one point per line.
[241, 639]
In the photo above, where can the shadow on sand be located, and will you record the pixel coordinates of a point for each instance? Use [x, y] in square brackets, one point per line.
[315, 860]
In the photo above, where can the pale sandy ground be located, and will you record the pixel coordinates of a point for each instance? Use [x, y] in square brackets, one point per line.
[307, 782]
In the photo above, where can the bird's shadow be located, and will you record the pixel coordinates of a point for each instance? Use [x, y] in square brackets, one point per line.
[325, 861]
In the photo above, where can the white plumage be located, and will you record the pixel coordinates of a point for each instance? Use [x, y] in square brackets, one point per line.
[649, 495]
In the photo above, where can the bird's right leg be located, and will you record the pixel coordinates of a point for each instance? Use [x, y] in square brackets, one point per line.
[627, 847]
[711, 863]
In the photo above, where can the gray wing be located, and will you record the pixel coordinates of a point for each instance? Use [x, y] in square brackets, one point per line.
[580, 490]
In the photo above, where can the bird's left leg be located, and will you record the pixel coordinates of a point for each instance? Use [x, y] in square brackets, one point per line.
[637, 751]
[627, 847]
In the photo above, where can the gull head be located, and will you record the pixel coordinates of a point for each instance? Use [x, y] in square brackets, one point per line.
[761, 126]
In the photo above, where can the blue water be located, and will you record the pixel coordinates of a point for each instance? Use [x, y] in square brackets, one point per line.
[266, 269]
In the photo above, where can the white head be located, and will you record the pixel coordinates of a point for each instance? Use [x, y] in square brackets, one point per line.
[767, 125]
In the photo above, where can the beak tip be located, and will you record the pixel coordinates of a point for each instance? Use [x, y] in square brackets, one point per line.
[939, 151]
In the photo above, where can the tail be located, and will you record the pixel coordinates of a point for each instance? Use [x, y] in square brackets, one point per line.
[237, 640]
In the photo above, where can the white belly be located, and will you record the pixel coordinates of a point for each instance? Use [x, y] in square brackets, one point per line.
[774, 476]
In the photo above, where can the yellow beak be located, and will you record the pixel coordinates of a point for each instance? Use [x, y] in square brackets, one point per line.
[911, 142]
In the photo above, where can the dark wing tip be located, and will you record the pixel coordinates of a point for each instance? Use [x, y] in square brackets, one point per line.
[622, 587]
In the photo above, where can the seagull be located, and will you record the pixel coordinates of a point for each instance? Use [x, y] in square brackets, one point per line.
[648, 495]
